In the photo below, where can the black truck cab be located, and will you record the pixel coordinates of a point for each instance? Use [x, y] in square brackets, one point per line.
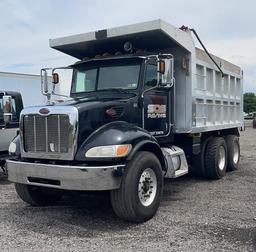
[123, 89]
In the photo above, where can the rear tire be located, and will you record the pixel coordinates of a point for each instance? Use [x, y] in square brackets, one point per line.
[216, 158]
[198, 163]
[38, 196]
[139, 195]
[233, 147]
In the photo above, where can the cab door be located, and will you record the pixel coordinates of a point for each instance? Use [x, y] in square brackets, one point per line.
[156, 116]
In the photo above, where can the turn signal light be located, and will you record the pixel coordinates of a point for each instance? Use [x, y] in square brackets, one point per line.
[161, 66]
[122, 150]
[109, 151]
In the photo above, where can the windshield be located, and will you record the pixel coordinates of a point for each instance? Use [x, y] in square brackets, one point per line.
[123, 77]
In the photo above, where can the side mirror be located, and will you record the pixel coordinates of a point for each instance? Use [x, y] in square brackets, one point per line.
[44, 81]
[165, 71]
[55, 78]
[7, 108]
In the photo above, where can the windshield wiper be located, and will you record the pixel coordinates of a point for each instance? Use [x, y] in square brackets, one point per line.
[84, 98]
[98, 93]
[118, 90]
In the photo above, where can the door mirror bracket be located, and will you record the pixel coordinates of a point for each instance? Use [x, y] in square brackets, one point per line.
[165, 71]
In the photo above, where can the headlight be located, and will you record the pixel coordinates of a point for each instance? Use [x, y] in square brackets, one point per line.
[109, 151]
[12, 148]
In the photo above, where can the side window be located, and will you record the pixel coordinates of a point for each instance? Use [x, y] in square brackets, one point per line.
[151, 76]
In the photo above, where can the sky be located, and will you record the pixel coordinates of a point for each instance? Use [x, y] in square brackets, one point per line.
[227, 28]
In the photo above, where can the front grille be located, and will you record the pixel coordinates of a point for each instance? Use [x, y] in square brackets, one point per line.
[47, 134]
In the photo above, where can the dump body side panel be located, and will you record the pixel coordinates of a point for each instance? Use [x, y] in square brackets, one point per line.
[204, 101]
[217, 100]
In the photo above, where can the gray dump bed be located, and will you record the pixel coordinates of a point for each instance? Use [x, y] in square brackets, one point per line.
[204, 100]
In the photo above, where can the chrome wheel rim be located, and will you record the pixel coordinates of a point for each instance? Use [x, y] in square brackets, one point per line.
[222, 158]
[147, 187]
[236, 153]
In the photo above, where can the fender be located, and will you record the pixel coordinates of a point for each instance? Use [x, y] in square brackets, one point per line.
[151, 146]
[120, 132]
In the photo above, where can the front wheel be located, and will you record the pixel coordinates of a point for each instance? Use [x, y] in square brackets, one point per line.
[38, 196]
[139, 195]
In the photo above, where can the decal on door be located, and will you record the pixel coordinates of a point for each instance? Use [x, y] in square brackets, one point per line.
[156, 111]
[156, 116]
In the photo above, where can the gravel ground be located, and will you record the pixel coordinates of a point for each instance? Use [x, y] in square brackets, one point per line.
[195, 215]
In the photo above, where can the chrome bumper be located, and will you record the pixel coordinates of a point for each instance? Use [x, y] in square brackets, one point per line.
[96, 178]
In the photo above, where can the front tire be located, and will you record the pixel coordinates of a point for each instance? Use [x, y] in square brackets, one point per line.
[216, 158]
[38, 196]
[138, 198]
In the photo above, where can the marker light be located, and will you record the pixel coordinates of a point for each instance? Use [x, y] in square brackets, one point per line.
[161, 67]
[109, 151]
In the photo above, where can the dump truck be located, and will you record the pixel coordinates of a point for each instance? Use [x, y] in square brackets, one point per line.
[145, 104]
[10, 107]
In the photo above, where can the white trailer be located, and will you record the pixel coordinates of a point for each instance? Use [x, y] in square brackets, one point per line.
[28, 85]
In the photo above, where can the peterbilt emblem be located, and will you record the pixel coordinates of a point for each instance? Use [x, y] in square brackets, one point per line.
[44, 111]
[111, 112]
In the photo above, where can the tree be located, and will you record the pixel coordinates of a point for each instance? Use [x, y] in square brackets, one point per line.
[249, 102]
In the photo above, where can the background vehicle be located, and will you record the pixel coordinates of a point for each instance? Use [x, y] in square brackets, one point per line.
[145, 104]
[254, 120]
[20, 87]
[9, 121]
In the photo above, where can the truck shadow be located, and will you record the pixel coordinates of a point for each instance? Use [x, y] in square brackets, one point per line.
[88, 214]
[3, 179]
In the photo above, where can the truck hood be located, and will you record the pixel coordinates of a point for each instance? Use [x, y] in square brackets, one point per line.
[95, 113]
